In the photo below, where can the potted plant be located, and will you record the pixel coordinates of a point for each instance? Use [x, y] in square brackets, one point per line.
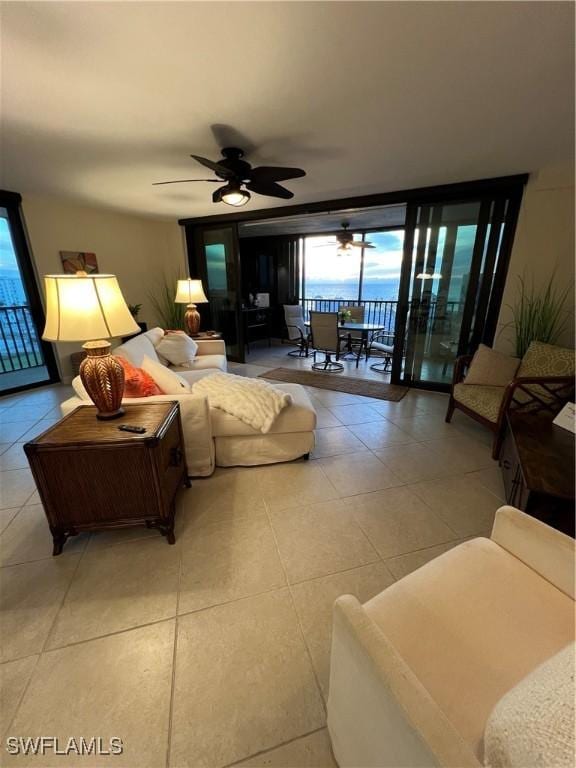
[134, 310]
[344, 316]
[538, 315]
[169, 314]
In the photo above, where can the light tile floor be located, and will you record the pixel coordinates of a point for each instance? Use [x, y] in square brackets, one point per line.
[215, 652]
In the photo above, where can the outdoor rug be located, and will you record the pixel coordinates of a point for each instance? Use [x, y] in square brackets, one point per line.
[338, 383]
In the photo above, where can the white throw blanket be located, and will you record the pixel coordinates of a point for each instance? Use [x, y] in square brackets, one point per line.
[254, 402]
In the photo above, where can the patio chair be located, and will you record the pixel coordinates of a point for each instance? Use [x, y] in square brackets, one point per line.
[544, 381]
[353, 338]
[381, 345]
[296, 331]
[325, 334]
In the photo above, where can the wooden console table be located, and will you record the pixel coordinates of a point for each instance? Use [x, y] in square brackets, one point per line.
[257, 325]
[537, 463]
[90, 475]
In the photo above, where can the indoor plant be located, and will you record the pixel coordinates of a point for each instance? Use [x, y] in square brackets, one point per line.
[538, 314]
[169, 314]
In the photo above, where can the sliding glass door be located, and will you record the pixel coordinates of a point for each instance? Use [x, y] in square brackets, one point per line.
[454, 265]
[25, 360]
[214, 257]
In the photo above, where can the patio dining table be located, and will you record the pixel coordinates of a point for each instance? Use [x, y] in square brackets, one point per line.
[363, 328]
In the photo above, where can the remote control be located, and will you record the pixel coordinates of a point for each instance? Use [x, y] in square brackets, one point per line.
[132, 428]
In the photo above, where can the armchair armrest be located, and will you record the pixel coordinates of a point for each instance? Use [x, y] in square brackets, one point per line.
[547, 551]
[211, 346]
[296, 328]
[379, 713]
[460, 367]
[553, 387]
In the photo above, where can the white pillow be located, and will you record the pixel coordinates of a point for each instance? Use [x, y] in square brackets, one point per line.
[178, 348]
[169, 382]
[533, 724]
[80, 389]
[154, 334]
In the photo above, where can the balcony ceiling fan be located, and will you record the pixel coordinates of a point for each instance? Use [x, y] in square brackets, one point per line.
[241, 177]
[346, 240]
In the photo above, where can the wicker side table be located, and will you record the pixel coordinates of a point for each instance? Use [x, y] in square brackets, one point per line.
[90, 475]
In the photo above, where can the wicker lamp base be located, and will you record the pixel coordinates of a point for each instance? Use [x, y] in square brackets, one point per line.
[103, 379]
[192, 320]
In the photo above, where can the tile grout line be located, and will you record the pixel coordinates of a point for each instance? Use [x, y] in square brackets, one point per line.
[238, 763]
[174, 655]
[43, 649]
[293, 603]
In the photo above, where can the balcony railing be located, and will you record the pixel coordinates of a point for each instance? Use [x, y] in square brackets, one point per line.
[441, 318]
[20, 346]
[378, 312]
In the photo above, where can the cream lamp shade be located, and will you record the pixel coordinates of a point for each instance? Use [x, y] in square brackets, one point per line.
[85, 307]
[190, 292]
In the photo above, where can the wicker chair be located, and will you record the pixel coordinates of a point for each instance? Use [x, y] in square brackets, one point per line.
[543, 382]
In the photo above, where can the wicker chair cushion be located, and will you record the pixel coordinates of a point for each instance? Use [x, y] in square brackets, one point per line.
[491, 368]
[547, 360]
[483, 400]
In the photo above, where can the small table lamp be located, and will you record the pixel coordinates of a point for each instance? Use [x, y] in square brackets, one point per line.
[191, 292]
[91, 308]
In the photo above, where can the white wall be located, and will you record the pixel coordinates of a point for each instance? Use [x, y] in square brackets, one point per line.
[544, 241]
[137, 250]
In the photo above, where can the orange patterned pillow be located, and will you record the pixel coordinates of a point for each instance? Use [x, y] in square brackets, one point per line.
[138, 383]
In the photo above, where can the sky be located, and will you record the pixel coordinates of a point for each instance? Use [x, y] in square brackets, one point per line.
[7, 256]
[323, 263]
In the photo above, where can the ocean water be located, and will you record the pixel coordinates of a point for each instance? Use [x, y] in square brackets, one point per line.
[372, 290]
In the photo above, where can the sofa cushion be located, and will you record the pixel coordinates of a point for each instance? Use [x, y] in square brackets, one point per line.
[533, 724]
[492, 368]
[137, 381]
[136, 348]
[470, 625]
[169, 382]
[80, 389]
[299, 416]
[480, 399]
[177, 348]
[547, 360]
[204, 362]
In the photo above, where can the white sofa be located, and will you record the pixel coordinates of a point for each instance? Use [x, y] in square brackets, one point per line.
[416, 671]
[212, 437]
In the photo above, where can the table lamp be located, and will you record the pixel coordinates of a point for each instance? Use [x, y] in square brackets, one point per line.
[190, 292]
[91, 308]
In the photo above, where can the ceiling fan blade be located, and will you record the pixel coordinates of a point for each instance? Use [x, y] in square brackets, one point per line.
[221, 170]
[267, 173]
[270, 189]
[360, 244]
[184, 181]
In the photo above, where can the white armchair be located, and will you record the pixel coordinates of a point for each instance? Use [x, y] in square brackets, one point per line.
[416, 671]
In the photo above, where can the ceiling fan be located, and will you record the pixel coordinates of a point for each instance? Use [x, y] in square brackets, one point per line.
[346, 240]
[241, 177]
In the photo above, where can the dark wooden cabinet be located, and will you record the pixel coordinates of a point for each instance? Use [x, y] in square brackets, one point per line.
[537, 463]
[257, 325]
[90, 475]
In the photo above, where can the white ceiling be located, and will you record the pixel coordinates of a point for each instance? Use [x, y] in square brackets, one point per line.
[99, 100]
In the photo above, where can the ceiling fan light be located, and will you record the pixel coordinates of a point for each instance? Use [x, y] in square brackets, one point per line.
[233, 195]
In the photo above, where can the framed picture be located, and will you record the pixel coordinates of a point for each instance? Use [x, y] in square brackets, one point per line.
[72, 261]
